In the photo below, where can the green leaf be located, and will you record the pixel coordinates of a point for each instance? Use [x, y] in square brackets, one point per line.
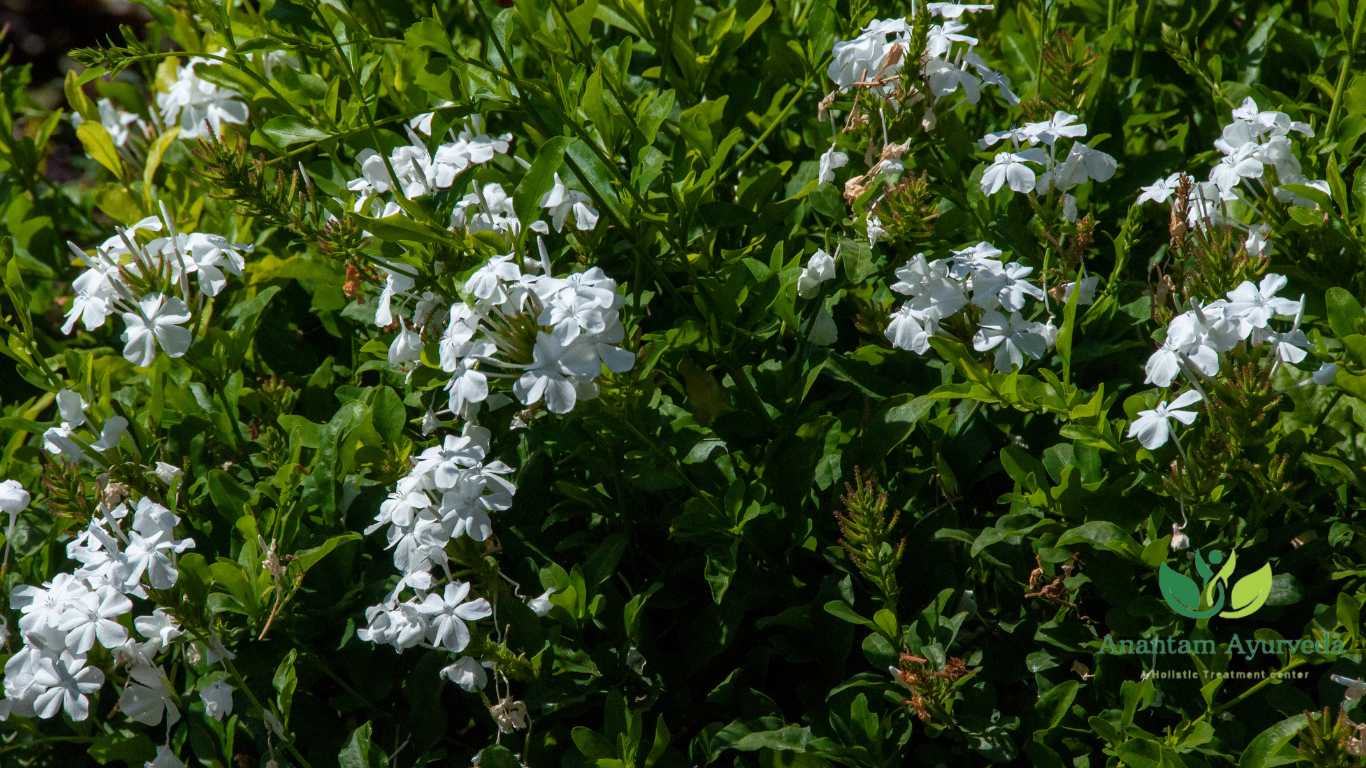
[360, 752]
[1054, 704]
[1344, 312]
[307, 558]
[100, 146]
[1069, 325]
[1270, 747]
[388, 413]
[1349, 614]
[155, 153]
[288, 130]
[1106, 535]
[285, 682]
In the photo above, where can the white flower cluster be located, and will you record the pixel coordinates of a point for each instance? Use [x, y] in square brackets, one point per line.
[449, 493]
[64, 620]
[135, 280]
[1197, 337]
[418, 172]
[877, 55]
[1256, 141]
[199, 106]
[973, 276]
[552, 335]
[1036, 162]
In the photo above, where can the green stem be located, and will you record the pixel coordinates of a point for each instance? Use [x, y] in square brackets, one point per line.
[1260, 684]
[1346, 67]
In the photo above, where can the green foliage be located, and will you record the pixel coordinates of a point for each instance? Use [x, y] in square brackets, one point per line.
[762, 547]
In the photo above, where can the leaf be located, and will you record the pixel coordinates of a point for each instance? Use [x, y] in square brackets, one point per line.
[1053, 705]
[1344, 312]
[360, 752]
[842, 610]
[1069, 325]
[229, 497]
[76, 98]
[789, 738]
[1269, 746]
[1106, 535]
[288, 130]
[388, 413]
[307, 558]
[1249, 593]
[100, 146]
[592, 744]
[285, 682]
[155, 153]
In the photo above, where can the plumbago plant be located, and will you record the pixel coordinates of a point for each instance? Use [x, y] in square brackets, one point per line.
[626, 383]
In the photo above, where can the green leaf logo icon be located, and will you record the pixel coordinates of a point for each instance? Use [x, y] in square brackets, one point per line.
[1187, 598]
[1182, 594]
[1249, 593]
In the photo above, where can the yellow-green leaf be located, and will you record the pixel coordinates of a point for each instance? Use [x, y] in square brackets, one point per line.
[154, 155]
[100, 146]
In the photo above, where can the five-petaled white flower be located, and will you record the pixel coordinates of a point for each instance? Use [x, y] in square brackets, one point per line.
[158, 322]
[1152, 428]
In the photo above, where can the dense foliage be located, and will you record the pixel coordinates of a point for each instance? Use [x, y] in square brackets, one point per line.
[631, 383]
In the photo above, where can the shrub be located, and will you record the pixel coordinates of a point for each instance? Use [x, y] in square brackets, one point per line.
[656, 384]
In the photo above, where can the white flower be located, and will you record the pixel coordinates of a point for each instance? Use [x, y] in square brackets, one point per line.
[64, 683]
[1325, 375]
[165, 758]
[910, 329]
[1012, 337]
[1251, 307]
[1152, 428]
[147, 698]
[406, 348]
[448, 613]
[217, 698]
[562, 201]
[830, 160]
[167, 473]
[875, 230]
[193, 101]
[867, 56]
[1258, 243]
[1180, 540]
[467, 673]
[158, 321]
[930, 287]
[158, 627]
[95, 616]
[13, 498]
[554, 373]
[1061, 125]
[1161, 190]
[541, 605]
[1011, 168]
[1088, 290]
[819, 269]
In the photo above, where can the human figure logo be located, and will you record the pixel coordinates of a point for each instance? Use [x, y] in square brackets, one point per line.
[1214, 592]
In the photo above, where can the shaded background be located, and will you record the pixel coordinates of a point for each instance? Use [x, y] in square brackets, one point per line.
[40, 32]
